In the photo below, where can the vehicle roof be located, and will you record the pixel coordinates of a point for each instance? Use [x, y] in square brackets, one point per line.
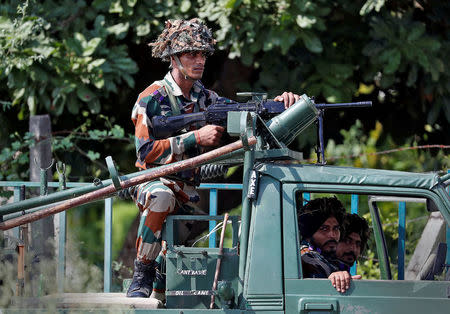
[347, 175]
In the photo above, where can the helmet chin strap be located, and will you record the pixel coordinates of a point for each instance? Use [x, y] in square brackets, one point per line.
[181, 68]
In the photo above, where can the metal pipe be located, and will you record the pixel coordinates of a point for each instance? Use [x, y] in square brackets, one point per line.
[212, 212]
[354, 210]
[401, 240]
[219, 260]
[145, 176]
[20, 270]
[107, 275]
[245, 218]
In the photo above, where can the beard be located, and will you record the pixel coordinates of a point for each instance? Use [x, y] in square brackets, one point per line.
[328, 253]
[346, 260]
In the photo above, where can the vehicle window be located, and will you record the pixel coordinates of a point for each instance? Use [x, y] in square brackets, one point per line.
[415, 238]
[412, 236]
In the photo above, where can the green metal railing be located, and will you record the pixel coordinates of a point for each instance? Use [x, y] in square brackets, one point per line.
[108, 207]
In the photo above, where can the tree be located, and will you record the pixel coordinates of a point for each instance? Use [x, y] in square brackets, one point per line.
[77, 64]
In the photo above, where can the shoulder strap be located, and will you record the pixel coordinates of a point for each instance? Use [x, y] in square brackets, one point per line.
[173, 102]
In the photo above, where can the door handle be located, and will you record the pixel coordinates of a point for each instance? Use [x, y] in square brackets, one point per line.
[306, 305]
[318, 306]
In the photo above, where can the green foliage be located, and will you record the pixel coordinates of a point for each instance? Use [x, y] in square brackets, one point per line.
[361, 150]
[48, 71]
[14, 159]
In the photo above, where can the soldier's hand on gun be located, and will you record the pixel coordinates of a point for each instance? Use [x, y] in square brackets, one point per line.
[341, 280]
[209, 135]
[288, 98]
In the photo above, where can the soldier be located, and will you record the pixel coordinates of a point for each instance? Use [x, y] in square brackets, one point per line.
[355, 233]
[320, 223]
[185, 44]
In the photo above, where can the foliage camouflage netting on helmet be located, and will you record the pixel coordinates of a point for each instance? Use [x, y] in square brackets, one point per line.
[183, 36]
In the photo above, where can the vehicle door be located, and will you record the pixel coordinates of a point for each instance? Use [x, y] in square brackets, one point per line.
[403, 268]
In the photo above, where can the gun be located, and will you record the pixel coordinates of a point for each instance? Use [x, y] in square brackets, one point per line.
[164, 127]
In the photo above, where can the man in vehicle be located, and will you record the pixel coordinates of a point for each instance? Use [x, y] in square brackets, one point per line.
[185, 44]
[354, 237]
[320, 223]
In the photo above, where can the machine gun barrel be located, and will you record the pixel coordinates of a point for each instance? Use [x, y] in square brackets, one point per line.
[345, 105]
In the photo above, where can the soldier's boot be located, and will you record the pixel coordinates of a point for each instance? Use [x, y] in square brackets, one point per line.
[142, 283]
[159, 285]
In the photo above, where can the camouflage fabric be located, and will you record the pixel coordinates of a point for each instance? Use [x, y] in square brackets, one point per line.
[183, 36]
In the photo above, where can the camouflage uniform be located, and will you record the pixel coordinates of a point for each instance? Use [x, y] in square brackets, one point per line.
[159, 198]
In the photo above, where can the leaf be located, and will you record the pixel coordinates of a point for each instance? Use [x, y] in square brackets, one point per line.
[131, 3]
[415, 32]
[101, 4]
[117, 131]
[58, 104]
[342, 71]
[93, 155]
[99, 83]
[44, 50]
[74, 45]
[365, 89]
[286, 41]
[116, 7]
[332, 94]
[370, 5]
[45, 100]
[120, 30]
[18, 94]
[99, 22]
[91, 45]
[143, 29]
[5, 24]
[305, 21]
[185, 6]
[246, 57]
[129, 79]
[31, 102]
[72, 105]
[436, 67]
[94, 106]
[312, 42]
[393, 62]
[96, 134]
[233, 4]
[85, 94]
[97, 62]
[81, 39]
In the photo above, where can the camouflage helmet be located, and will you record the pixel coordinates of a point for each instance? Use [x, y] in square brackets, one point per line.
[183, 36]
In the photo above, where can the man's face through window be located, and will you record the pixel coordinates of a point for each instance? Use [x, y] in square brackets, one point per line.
[349, 248]
[327, 236]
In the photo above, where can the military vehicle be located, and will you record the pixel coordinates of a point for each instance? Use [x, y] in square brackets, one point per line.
[261, 271]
